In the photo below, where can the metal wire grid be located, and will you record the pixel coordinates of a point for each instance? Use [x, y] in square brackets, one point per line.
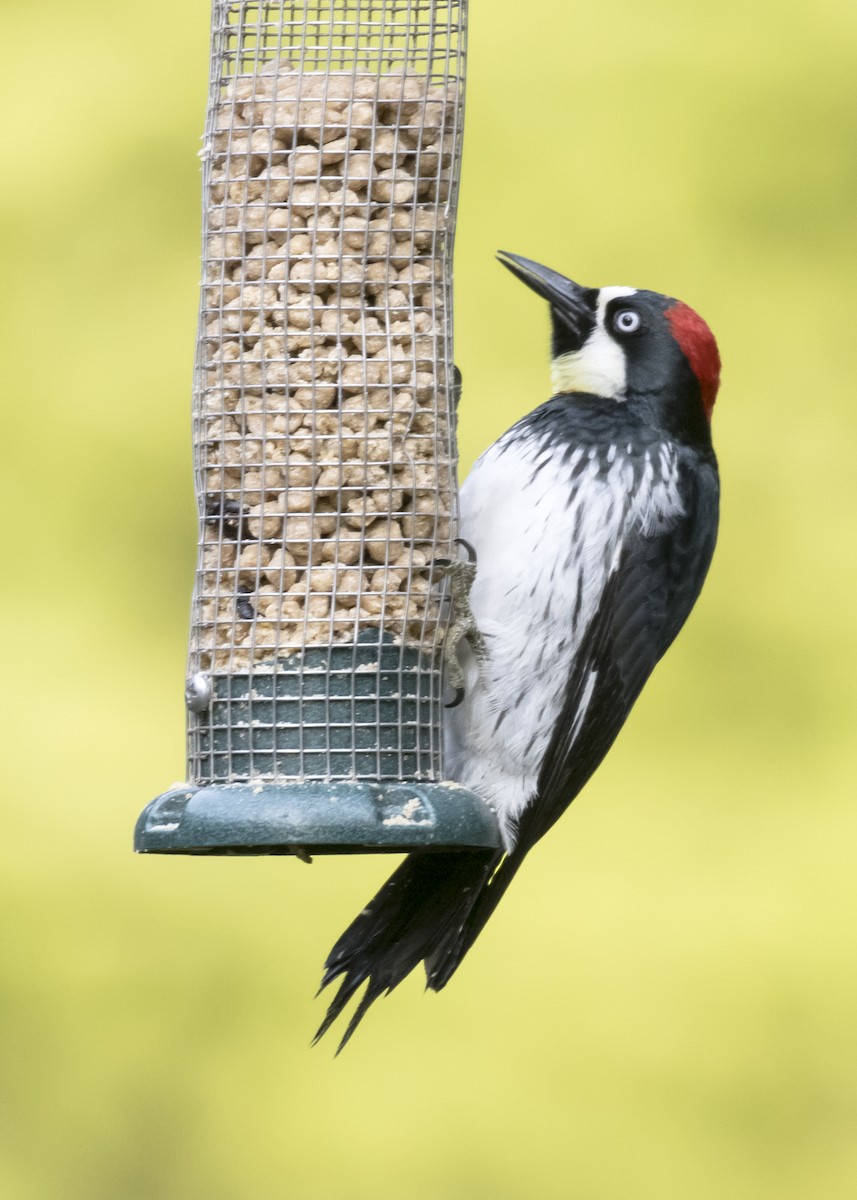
[335, 34]
[324, 408]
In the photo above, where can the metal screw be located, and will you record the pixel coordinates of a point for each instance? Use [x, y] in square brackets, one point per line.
[197, 693]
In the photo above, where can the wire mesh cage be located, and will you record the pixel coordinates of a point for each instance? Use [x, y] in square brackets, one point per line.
[324, 433]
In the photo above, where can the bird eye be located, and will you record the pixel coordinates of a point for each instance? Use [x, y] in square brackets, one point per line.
[626, 320]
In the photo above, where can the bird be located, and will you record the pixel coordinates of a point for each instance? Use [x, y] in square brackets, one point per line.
[593, 522]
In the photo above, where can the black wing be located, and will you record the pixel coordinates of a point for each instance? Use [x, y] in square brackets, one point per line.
[645, 604]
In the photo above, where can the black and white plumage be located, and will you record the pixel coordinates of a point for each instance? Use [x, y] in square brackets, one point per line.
[593, 520]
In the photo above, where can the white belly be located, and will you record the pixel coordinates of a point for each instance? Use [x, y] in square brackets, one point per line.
[546, 541]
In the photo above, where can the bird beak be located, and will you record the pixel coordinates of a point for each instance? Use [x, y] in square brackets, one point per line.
[574, 305]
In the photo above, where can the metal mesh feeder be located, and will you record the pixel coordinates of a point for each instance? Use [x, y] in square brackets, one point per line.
[324, 436]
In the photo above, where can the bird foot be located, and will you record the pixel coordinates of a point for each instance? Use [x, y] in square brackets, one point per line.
[462, 624]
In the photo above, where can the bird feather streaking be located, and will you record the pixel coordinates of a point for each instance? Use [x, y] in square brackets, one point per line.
[593, 522]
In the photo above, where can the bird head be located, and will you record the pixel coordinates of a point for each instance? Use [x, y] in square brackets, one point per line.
[628, 346]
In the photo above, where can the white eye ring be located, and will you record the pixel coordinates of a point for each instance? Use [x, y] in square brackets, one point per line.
[626, 320]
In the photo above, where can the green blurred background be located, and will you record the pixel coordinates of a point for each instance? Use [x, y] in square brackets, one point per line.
[666, 1003]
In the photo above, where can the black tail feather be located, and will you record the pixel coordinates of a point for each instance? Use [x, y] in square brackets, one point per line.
[346, 990]
[430, 909]
[442, 963]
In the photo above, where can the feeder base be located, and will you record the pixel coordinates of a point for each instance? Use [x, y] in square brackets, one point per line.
[315, 818]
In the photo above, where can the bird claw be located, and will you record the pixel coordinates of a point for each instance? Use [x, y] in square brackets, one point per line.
[463, 624]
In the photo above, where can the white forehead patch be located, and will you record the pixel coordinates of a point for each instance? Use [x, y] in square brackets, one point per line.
[599, 366]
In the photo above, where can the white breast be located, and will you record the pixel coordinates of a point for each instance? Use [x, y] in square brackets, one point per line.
[547, 536]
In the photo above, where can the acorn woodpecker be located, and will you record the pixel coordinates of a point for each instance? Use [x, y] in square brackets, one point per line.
[593, 522]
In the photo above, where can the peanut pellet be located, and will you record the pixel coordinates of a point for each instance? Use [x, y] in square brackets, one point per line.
[323, 428]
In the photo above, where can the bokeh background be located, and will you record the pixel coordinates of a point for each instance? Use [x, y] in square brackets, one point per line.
[666, 1003]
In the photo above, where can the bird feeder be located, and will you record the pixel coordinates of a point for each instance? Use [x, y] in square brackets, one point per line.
[324, 436]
